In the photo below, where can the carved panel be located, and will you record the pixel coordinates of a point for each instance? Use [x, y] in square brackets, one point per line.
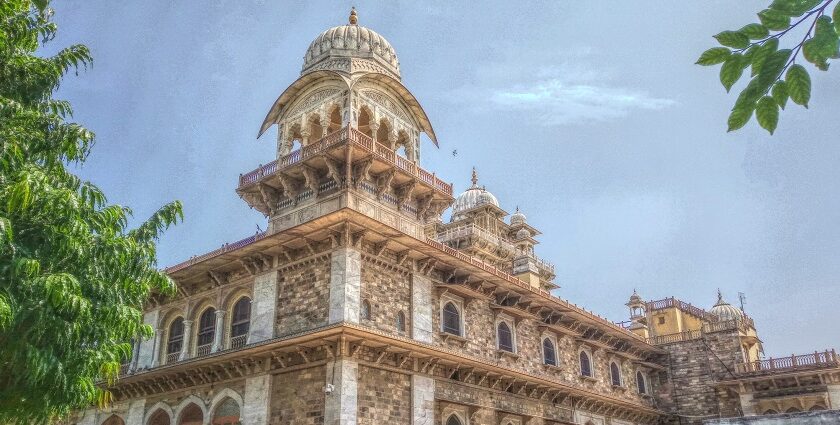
[312, 101]
[387, 103]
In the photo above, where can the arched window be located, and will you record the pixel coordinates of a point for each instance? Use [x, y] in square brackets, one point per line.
[453, 420]
[640, 383]
[451, 319]
[816, 407]
[365, 310]
[615, 374]
[771, 412]
[549, 354]
[335, 120]
[364, 122]
[401, 321]
[159, 418]
[191, 415]
[113, 420]
[227, 413]
[206, 331]
[792, 410]
[240, 322]
[175, 340]
[505, 337]
[585, 364]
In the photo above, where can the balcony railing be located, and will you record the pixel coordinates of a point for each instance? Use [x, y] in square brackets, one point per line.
[238, 341]
[473, 230]
[675, 337]
[355, 137]
[203, 350]
[540, 262]
[815, 360]
[172, 357]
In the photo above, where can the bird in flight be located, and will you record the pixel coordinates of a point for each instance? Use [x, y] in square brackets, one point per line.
[455, 152]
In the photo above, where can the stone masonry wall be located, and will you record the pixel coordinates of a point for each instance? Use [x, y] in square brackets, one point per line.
[303, 296]
[297, 397]
[389, 292]
[384, 397]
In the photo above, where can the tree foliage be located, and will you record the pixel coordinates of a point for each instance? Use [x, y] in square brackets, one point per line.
[774, 74]
[73, 276]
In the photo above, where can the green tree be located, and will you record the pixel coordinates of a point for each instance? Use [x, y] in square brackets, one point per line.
[775, 75]
[73, 276]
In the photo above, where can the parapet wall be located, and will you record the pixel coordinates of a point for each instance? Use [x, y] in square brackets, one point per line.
[824, 417]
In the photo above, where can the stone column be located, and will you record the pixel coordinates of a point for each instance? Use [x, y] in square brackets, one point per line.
[374, 128]
[341, 406]
[421, 308]
[156, 348]
[747, 404]
[345, 285]
[256, 400]
[219, 334]
[834, 396]
[422, 400]
[147, 355]
[263, 308]
[185, 345]
[136, 412]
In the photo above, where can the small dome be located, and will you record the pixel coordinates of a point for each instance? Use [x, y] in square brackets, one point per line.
[517, 217]
[471, 198]
[522, 234]
[725, 311]
[635, 298]
[351, 41]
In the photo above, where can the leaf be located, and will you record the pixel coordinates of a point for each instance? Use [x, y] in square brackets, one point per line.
[780, 94]
[772, 69]
[733, 39]
[714, 56]
[774, 20]
[836, 17]
[794, 7]
[738, 118]
[798, 85]
[731, 71]
[767, 113]
[754, 31]
[762, 53]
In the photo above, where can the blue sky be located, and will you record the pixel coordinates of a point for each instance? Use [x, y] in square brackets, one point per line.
[588, 115]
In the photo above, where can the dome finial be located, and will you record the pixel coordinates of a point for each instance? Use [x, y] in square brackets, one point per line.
[474, 178]
[353, 17]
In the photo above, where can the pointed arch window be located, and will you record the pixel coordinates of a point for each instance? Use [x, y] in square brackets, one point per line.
[451, 319]
[175, 340]
[114, 420]
[160, 417]
[640, 383]
[505, 337]
[401, 322]
[585, 364]
[615, 374]
[227, 413]
[453, 420]
[549, 353]
[206, 331]
[191, 415]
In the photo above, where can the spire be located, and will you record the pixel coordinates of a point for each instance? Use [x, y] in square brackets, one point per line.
[474, 178]
[353, 18]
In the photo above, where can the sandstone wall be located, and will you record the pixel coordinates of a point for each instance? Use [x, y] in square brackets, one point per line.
[303, 296]
[297, 398]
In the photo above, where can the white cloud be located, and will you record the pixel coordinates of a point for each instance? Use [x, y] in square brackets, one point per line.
[557, 101]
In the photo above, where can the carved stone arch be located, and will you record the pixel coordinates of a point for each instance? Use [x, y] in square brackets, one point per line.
[281, 105]
[404, 97]
[200, 305]
[108, 419]
[190, 399]
[230, 299]
[171, 314]
[221, 396]
[159, 406]
[333, 111]
[365, 117]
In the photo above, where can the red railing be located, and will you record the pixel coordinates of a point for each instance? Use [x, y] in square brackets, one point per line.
[228, 247]
[684, 306]
[357, 138]
[815, 360]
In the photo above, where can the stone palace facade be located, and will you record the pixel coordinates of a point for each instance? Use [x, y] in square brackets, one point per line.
[359, 305]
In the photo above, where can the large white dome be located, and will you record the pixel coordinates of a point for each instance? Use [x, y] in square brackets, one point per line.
[725, 311]
[471, 198]
[337, 46]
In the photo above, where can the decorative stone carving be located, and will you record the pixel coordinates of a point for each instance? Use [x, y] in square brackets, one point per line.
[315, 99]
[387, 103]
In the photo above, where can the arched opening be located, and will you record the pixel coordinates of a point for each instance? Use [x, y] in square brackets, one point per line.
[585, 364]
[792, 410]
[316, 130]
[191, 415]
[382, 133]
[175, 340]
[364, 122]
[453, 420]
[816, 408]
[227, 413]
[770, 412]
[206, 331]
[335, 120]
[114, 420]
[365, 313]
[615, 374]
[640, 383]
[451, 319]
[549, 353]
[240, 322]
[401, 321]
[401, 146]
[160, 417]
[505, 337]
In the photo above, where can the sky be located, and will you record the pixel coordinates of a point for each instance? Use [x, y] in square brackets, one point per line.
[589, 116]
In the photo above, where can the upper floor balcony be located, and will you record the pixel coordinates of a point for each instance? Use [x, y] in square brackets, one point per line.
[473, 231]
[816, 360]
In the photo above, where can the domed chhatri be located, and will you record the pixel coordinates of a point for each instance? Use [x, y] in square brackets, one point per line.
[351, 46]
[517, 217]
[725, 311]
[522, 233]
[471, 198]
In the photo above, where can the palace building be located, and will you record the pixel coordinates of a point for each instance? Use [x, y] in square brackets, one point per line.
[361, 305]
